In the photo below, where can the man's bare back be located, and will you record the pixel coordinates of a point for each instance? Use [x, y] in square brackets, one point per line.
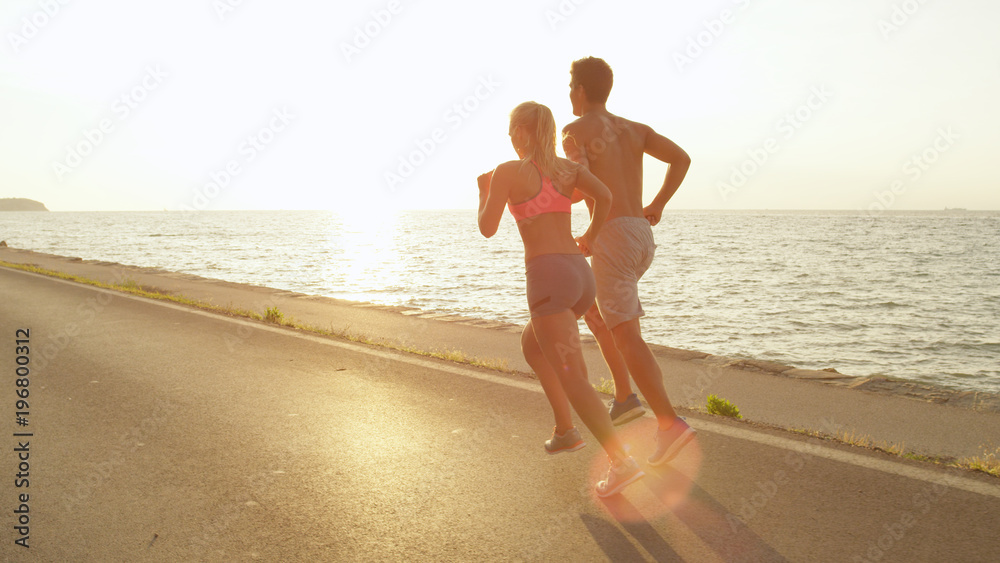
[613, 147]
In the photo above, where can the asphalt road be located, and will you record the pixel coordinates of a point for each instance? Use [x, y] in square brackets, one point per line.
[160, 433]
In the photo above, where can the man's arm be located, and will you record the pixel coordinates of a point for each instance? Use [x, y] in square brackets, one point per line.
[665, 150]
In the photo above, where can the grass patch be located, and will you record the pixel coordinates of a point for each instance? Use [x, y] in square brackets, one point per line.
[130, 285]
[854, 439]
[457, 356]
[234, 311]
[273, 315]
[498, 364]
[988, 463]
[606, 386]
[126, 285]
[722, 407]
[921, 457]
[54, 274]
[866, 441]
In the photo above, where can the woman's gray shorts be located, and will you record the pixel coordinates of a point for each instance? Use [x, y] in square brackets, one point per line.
[557, 282]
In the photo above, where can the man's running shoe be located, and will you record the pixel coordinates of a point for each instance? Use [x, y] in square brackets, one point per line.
[670, 441]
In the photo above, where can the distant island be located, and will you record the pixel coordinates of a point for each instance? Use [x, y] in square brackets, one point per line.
[21, 204]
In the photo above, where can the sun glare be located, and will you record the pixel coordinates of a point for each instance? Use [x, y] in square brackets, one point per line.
[367, 250]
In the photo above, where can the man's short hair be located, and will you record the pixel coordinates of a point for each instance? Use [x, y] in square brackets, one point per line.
[595, 76]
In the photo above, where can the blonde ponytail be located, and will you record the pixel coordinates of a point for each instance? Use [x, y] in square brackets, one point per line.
[537, 118]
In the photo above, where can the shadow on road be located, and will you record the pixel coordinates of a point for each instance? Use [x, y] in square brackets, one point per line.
[719, 530]
[616, 545]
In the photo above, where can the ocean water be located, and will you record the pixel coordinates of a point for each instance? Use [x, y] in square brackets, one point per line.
[913, 295]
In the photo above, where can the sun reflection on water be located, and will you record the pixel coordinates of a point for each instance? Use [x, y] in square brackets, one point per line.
[367, 254]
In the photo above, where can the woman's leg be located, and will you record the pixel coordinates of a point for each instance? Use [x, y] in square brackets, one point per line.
[559, 340]
[549, 379]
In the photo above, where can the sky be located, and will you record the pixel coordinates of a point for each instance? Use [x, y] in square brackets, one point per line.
[384, 105]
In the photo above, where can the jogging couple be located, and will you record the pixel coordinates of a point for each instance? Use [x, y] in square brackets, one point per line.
[604, 169]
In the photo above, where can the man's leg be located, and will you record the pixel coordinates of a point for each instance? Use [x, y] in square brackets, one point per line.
[645, 371]
[673, 432]
[606, 342]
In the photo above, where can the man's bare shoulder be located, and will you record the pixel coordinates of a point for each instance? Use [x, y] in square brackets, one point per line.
[635, 132]
[604, 124]
[576, 126]
[642, 127]
[592, 120]
[635, 127]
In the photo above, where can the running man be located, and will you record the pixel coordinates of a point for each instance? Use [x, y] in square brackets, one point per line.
[612, 148]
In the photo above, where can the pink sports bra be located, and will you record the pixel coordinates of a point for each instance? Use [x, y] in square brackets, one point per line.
[547, 200]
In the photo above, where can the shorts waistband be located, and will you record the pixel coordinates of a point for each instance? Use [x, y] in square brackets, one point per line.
[626, 220]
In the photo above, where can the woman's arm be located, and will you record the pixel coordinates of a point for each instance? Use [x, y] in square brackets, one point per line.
[494, 189]
[575, 153]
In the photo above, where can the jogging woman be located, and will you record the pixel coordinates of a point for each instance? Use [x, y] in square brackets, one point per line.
[536, 189]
